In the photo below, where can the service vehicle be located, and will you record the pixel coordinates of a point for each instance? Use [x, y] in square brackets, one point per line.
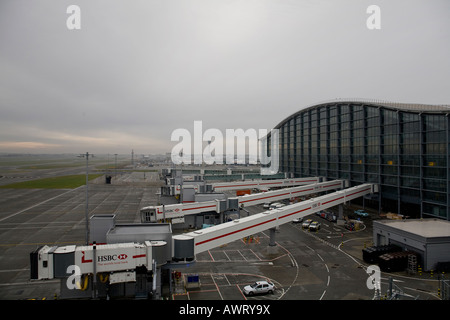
[314, 226]
[306, 223]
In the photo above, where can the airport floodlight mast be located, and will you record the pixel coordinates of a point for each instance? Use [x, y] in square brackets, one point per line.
[115, 165]
[86, 155]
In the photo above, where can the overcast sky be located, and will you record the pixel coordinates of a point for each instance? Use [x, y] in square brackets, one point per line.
[138, 70]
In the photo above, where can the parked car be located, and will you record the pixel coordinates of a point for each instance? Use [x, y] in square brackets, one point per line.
[331, 217]
[361, 213]
[266, 205]
[314, 226]
[306, 223]
[297, 220]
[259, 287]
[274, 205]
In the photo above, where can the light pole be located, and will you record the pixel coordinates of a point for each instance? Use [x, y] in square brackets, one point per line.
[115, 165]
[86, 155]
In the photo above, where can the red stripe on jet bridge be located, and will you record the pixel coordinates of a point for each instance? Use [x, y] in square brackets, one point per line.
[237, 185]
[367, 189]
[346, 196]
[337, 184]
[139, 256]
[277, 195]
[199, 207]
[246, 228]
[302, 190]
[271, 183]
[333, 200]
[233, 232]
[332, 185]
[290, 214]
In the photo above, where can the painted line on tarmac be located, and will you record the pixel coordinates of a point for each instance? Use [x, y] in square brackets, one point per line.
[38, 204]
[76, 242]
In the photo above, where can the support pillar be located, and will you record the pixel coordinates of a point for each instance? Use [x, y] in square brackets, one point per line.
[94, 277]
[272, 238]
[340, 220]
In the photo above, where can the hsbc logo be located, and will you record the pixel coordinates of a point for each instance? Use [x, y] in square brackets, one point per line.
[111, 257]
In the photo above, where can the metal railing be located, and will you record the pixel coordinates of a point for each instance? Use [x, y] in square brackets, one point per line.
[444, 289]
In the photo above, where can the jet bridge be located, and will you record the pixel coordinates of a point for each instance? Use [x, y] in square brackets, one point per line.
[216, 236]
[248, 184]
[174, 211]
[262, 184]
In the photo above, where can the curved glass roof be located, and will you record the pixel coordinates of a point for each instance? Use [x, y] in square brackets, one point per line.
[406, 107]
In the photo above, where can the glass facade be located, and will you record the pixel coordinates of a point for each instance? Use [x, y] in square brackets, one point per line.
[405, 151]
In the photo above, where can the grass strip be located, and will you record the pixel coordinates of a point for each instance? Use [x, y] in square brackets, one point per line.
[62, 182]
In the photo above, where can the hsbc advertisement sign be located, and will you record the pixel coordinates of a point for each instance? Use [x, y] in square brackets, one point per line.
[113, 257]
[108, 258]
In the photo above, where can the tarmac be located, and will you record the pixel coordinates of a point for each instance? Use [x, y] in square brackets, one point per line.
[323, 265]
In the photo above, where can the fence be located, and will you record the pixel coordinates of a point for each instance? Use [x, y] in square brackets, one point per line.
[444, 289]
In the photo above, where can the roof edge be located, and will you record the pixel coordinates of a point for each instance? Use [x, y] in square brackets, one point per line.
[397, 106]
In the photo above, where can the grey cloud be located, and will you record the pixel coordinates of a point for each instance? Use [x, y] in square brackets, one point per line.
[138, 70]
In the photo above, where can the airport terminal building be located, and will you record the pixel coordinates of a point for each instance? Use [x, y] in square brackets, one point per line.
[404, 148]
